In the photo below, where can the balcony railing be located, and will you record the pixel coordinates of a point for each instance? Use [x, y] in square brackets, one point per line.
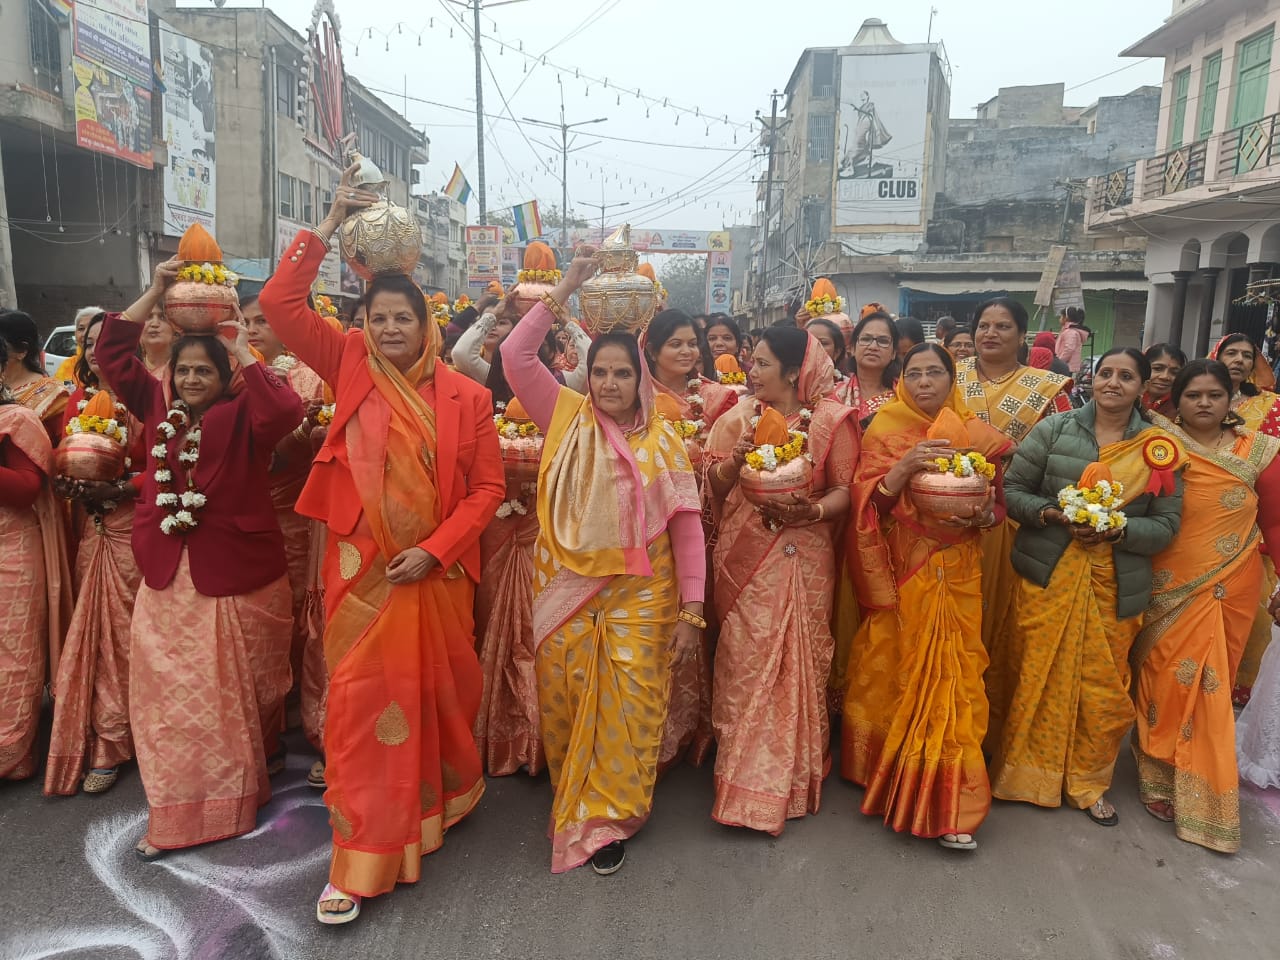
[1115, 189]
[1250, 147]
[1176, 170]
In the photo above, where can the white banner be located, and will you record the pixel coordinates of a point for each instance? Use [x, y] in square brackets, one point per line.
[190, 180]
[719, 277]
[881, 139]
[329, 280]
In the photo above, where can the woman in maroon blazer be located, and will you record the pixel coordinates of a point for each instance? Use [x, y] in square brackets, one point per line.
[209, 657]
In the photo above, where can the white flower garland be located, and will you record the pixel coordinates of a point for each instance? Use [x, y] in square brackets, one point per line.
[284, 363]
[180, 508]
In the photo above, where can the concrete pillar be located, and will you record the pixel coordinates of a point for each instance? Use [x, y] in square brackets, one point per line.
[1205, 322]
[1180, 280]
[8, 287]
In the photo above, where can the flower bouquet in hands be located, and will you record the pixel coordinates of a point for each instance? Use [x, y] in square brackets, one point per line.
[1094, 501]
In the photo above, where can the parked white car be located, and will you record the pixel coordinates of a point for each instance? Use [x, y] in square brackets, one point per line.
[60, 345]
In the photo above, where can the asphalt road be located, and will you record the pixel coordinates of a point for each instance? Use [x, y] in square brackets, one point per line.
[1044, 884]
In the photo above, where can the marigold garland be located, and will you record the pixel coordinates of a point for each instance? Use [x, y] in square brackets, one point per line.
[539, 276]
[966, 465]
[514, 429]
[732, 378]
[214, 274]
[325, 306]
[824, 304]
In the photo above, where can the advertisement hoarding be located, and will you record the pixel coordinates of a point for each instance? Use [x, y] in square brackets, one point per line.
[719, 277]
[113, 113]
[115, 34]
[484, 255]
[882, 139]
[190, 182]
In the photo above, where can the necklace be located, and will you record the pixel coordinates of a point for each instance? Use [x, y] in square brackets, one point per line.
[180, 509]
[996, 380]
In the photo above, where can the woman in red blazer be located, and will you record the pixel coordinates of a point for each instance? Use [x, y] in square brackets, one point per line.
[408, 478]
[209, 647]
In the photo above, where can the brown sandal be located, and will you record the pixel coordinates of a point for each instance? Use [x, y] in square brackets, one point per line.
[1162, 810]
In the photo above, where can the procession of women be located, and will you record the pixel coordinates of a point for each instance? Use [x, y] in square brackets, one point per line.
[567, 530]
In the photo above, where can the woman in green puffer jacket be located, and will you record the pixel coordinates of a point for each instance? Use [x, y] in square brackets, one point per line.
[1081, 593]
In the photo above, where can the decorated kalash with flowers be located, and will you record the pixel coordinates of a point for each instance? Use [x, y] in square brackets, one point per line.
[825, 303]
[729, 373]
[779, 466]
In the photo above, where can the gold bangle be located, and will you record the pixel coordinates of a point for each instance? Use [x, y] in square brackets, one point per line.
[555, 306]
[693, 619]
[822, 512]
[885, 490]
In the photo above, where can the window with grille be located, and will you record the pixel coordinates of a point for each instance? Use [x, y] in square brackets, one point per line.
[821, 137]
[46, 50]
[824, 74]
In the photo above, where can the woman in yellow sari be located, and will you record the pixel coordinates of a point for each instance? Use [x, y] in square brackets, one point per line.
[1202, 608]
[1260, 410]
[1013, 398]
[620, 567]
[916, 710]
[1081, 592]
[407, 479]
[775, 581]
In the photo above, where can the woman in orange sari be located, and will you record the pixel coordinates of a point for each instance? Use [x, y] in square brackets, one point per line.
[1082, 591]
[91, 687]
[620, 569]
[34, 583]
[1260, 410]
[775, 582]
[672, 346]
[1202, 608]
[408, 476]
[916, 710]
[45, 396]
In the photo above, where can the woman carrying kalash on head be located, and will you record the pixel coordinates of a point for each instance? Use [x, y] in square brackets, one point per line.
[620, 572]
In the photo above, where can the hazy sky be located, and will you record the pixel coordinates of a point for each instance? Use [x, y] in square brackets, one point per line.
[721, 57]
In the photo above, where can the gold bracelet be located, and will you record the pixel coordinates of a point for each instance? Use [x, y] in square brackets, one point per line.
[693, 619]
[885, 490]
[822, 512]
[555, 306]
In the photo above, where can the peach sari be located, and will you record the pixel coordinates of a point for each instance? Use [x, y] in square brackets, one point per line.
[34, 598]
[774, 595]
[687, 732]
[916, 710]
[507, 729]
[1202, 608]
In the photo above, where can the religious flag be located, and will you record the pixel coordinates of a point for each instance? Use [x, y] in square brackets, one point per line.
[457, 187]
[528, 223]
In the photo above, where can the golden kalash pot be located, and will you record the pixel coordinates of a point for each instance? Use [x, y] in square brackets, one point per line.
[197, 304]
[383, 238]
[761, 487]
[521, 451]
[617, 298]
[942, 496]
[89, 456]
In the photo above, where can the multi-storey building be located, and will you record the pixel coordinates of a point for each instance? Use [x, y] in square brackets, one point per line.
[876, 187]
[239, 110]
[1207, 198]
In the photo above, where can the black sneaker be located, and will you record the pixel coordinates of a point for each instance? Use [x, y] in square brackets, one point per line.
[609, 860]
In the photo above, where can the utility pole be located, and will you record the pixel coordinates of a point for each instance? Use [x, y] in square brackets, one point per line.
[772, 128]
[564, 129]
[476, 6]
[604, 206]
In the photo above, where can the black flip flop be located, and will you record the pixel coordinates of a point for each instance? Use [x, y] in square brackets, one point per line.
[1110, 821]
